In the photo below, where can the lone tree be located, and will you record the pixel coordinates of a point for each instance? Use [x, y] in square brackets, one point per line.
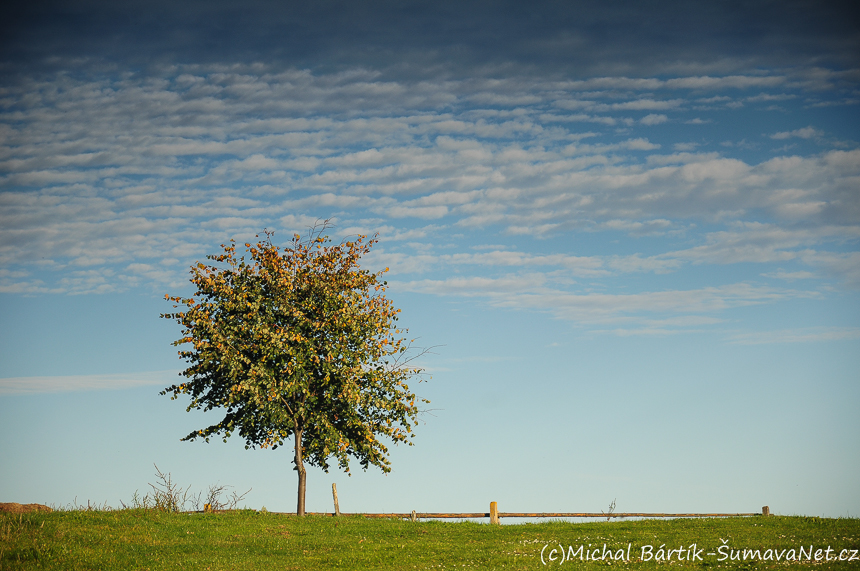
[297, 342]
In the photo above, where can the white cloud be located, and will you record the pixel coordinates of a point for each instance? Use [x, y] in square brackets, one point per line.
[771, 97]
[473, 286]
[685, 147]
[640, 144]
[108, 177]
[534, 292]
[802, 335]
[300, 224]
[804, 133]
[692, 83]
[639, 228]
[644, 105]
[732, 81]
[426, 212]
[60, 384]
[653, 119]
[636, 263]
[790, 276]
[766, 243]
[843, 266]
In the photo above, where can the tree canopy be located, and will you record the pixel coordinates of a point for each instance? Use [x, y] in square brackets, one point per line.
[297, 342]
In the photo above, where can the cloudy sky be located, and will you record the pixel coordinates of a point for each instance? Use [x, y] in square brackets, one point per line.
[630, 230]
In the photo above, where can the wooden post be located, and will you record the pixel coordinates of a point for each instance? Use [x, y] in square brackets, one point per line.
[765, 510]
[334, 495]
[494, 513]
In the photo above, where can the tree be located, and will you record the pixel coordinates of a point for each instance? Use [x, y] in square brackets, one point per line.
[301, 343]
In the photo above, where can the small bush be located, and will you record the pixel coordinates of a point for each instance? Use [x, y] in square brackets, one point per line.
[167, 496]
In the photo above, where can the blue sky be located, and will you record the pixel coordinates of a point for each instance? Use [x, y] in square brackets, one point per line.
[631, 236]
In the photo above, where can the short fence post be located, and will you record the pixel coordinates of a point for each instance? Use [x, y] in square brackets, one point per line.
[334, 495]
[765, 510]
[494, 513]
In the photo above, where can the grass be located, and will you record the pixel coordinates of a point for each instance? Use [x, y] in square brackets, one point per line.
[245, 539]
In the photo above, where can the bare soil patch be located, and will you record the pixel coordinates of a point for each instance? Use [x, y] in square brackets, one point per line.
[23, 508]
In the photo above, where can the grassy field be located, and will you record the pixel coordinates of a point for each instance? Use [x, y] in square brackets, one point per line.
[152, 539]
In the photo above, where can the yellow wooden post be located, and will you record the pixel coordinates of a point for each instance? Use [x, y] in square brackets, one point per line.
[334, 495]
[494, 513]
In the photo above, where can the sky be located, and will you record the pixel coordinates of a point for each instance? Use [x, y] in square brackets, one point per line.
[627, 231]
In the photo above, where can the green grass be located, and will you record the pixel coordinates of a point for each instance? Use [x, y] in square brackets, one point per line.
[152, 539]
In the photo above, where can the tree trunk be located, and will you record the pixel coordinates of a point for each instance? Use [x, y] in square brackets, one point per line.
[300, 468]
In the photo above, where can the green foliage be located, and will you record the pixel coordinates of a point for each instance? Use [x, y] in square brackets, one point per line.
[298, 342]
